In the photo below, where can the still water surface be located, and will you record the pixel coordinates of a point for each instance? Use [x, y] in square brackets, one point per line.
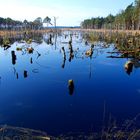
[34, 91]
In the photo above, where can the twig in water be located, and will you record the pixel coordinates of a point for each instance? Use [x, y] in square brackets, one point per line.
[42, 65]
[38, 54]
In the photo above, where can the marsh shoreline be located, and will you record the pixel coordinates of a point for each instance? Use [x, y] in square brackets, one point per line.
[12, 32]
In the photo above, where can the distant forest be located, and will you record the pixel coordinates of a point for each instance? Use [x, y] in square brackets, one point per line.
[10, 24]
[128, 19]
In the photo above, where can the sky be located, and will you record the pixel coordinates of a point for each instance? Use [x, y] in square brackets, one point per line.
[67, 12]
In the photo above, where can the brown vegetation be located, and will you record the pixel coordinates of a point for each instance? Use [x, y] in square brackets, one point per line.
[9, 33]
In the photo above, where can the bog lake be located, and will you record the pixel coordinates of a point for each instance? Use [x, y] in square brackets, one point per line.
[34, 88]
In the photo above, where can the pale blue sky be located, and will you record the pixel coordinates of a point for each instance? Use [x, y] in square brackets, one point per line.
[68, 12]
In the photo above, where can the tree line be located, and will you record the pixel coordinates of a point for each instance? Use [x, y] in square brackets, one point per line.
[10, 24]
[128, 19]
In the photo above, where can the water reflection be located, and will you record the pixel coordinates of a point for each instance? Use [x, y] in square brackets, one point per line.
[0, 80]
[31, 60]
[48, 39]
[64, 57]
[28, 38]
[17, 75]
[25, 74]
[136, 63]
[35, 71]
[71, 55]
[41, 65]
[13, 57]
[26, 43]
[6, 46]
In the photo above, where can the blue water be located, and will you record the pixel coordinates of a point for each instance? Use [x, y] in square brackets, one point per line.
[41, 99]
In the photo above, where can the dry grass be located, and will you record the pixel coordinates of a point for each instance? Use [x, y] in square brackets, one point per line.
[133, 32]
[18, 133]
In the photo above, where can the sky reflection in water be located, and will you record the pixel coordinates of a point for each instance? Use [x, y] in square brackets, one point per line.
[34, 91]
